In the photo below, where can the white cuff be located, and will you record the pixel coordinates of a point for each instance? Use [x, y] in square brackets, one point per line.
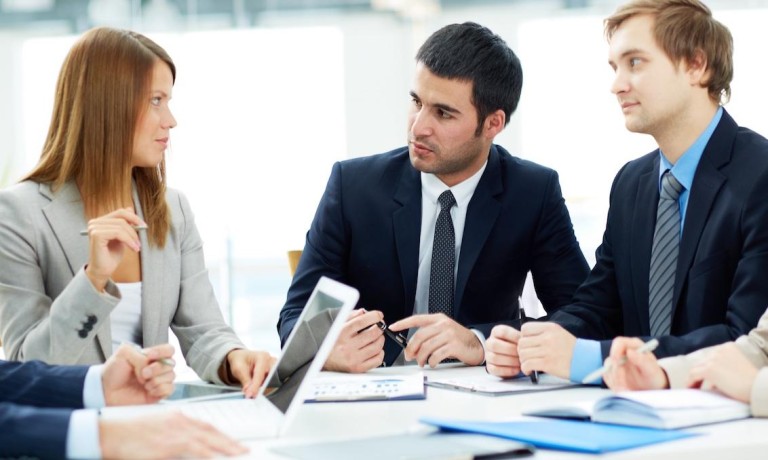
[93, 392]
[83, 435]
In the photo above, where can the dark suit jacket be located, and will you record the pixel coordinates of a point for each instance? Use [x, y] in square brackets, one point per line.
[367, 227]
[39, 431]
[720, 286]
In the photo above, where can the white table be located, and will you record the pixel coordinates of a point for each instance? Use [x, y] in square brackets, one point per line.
[745, 439]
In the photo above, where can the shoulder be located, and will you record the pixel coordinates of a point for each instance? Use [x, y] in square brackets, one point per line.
[511, 164]
[23, 193]
[177, 202]
[377, 163]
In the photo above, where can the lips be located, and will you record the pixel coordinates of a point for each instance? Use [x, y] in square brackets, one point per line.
[163, 141]
[421, 149]
[628, 105]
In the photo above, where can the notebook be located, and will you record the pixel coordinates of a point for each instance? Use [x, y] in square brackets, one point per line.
[342, 387]
[490, 385]
[272, 411]
[661, 409]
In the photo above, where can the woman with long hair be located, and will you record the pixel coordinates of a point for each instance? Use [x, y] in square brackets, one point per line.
[66, 298]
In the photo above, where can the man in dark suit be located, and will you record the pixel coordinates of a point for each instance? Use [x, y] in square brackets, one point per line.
[440, 235]
[38, 416]
[685, 249]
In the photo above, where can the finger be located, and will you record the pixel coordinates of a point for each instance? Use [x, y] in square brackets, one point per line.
[500, 347]
[134, 357]
[260, 372]
[362, 322]
[159, 352]
[621, 345]
[506, 333]
[415, 321]
[416, 342]
[107, 235]
[157, 369]
[374, 361]
[439, 355]
[502, 371]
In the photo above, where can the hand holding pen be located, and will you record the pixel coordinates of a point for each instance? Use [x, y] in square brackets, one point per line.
[631, 365]
[109, 236]
[138, 376]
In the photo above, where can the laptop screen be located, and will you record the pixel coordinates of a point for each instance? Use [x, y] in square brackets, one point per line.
[306, 344]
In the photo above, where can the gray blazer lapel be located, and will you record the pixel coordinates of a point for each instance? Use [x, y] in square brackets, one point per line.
[152, 274]
[66, 216]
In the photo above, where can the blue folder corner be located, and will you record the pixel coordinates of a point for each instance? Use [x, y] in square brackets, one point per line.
[566, 435]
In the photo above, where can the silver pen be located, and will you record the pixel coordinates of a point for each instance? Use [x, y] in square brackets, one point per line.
[647, 347]
[135, 227]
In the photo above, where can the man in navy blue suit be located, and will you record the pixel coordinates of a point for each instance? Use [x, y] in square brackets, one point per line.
[381, 218]
[706, 284]
[38, 416]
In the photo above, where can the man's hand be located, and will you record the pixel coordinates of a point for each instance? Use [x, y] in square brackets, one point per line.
[641, 371]
[546, 347]
[135, 376]
[727, 370]
[167, 435]
[439, 337]
[360, 346]
[501, 357]
[250, 368]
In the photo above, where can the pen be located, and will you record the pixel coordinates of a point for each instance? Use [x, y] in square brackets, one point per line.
[521, 316]
[135, 227]
[647, 347]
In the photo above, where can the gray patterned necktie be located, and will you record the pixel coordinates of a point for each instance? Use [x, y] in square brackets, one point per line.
[666, 245]
[443, 259]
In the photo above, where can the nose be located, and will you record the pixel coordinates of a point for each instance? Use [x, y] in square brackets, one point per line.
[620, 83]
[420, 123]
[169, 121]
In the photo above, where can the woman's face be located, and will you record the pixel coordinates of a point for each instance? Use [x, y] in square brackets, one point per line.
[155, 121]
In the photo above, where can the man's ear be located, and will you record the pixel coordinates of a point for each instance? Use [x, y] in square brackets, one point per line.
[494, 124]
[697, 69]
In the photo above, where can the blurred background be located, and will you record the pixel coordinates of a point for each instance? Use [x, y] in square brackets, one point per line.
[269, 93]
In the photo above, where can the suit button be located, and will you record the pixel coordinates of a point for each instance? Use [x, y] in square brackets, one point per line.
[82, 333]
[92, 319]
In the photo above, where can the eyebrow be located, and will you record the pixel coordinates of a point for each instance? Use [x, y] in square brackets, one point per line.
[627, 53]
[160, 91]
[443, 107]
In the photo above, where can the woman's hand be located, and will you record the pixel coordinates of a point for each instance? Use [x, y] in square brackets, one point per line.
[250, 368]
[109, 235]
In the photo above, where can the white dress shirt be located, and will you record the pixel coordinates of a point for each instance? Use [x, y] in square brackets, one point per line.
[83, 432]
[431, 188]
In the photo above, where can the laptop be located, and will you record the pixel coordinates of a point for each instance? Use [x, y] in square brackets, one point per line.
[271, 412]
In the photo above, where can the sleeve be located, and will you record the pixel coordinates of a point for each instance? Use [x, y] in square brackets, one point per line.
[48, 438]
[36, 383]
[325, 253]
[83, 435]
[204, 336]
[558, 265]
[34, 325]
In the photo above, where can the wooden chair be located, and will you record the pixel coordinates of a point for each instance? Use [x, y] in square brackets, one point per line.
[293, 260]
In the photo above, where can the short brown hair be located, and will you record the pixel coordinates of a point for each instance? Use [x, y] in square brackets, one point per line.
[103, 89]
[684, 28]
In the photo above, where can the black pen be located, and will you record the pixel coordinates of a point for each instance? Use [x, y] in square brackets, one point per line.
[521, 316]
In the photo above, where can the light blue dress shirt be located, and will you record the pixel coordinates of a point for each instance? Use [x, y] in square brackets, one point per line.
[83, 433]
[587, 355]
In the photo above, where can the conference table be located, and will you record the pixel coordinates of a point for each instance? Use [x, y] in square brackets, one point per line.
[315, 423]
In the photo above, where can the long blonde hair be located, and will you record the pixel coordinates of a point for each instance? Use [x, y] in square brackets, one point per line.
[102, 91]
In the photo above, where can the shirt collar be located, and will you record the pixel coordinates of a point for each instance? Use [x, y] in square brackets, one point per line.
[432, 187]
[685, 168]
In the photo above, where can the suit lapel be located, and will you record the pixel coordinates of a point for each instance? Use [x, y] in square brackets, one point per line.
[641, 239]
[407, 230]
[66, 216]
[152, 274]
[482, 213]
[707, 183]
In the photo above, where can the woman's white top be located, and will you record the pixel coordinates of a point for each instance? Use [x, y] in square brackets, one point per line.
[126, 317]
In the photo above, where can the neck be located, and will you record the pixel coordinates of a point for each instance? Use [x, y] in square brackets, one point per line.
[683, 132]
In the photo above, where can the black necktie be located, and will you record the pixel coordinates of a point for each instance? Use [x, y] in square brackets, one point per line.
[666, 245]
[443, 259]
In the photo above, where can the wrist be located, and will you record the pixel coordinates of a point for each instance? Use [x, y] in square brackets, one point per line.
[99, 282]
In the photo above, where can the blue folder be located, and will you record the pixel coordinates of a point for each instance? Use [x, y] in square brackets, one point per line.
[566, 435]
